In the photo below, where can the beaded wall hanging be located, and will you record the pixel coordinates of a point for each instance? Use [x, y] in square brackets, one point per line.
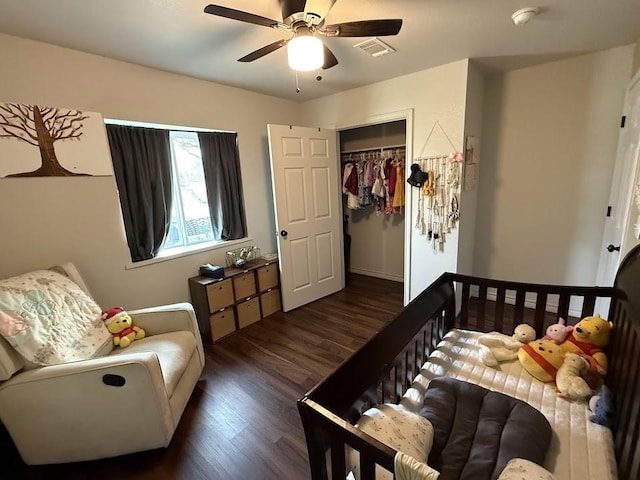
[438, 204]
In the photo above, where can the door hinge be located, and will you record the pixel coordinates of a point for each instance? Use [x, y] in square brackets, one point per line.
[624, 120]
[609, 211]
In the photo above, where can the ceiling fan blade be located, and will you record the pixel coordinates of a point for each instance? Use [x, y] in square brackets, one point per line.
[318, 9]
[261, 52]
[330, 59]
[242, 16]
[291, 7]
[364, 28]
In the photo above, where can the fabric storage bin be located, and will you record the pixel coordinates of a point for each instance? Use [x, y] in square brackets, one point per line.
[220, 295]
[244, 285]
[267, 277]
[270, 302]
[248, 312]
[222, 323]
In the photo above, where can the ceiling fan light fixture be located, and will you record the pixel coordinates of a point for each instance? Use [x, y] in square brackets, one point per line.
[524, 15]
[305, 53]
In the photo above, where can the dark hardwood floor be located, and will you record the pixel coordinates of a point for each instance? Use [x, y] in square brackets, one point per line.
[242, 421]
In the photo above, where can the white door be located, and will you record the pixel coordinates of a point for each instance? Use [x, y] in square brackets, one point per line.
[306, 190]
[621, 217]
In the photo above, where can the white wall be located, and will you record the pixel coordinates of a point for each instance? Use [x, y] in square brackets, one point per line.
[636, 59]
[469, 198]
[548, 149]
[50, 220]
[434, 94]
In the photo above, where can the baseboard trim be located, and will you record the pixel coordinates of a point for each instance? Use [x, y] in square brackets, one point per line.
[552, 307]
[376, 274]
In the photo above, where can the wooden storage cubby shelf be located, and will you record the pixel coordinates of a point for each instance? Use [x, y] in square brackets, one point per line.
[241, 298]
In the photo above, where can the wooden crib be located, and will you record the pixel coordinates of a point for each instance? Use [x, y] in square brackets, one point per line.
[384, 368]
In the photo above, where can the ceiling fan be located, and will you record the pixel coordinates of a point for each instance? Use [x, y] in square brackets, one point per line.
[305, 19]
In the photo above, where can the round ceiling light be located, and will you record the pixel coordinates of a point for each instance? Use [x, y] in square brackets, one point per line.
[305, 53]
[523, 15]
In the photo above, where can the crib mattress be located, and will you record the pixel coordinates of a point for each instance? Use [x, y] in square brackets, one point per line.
[579, 449]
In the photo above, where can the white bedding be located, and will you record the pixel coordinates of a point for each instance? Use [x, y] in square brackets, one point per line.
[579, 449]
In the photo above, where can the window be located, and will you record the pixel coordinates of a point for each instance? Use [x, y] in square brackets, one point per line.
[178, 188]
[190, 220]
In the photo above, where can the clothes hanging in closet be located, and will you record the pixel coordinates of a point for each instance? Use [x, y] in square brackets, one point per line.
[398, 194]
[350, 185]
[377, 182]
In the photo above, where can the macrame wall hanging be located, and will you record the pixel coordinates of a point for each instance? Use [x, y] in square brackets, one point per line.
[438, 205]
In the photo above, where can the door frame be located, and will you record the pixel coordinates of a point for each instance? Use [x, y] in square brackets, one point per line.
[635, 180]
[624, 202]
[407, 116]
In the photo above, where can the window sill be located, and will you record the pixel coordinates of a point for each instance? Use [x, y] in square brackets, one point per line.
[186, 251]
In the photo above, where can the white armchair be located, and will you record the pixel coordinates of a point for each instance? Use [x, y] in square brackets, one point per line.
[127, 401]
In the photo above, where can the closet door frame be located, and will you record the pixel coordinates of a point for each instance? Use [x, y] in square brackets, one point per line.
[407, 116]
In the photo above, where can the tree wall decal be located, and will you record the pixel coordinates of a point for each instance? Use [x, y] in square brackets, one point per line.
[41, 127]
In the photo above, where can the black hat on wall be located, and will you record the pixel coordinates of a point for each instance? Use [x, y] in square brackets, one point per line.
[417, 177]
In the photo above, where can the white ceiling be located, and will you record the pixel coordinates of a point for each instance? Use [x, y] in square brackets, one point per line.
[175, 35]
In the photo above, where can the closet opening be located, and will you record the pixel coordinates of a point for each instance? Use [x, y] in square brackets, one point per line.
[373, 167]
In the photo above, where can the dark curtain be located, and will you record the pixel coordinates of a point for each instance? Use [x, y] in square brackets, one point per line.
[142, 165]
[221, 163]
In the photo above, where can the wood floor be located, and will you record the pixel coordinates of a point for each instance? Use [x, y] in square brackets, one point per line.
[242, 421]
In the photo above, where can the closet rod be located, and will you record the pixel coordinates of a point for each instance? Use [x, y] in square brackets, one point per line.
[388, 147]
[435, 157]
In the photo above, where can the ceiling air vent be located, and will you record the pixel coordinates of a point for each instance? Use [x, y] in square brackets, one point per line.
[374, 47]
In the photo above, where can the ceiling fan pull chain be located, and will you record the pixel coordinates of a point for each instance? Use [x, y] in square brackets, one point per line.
[297, 83]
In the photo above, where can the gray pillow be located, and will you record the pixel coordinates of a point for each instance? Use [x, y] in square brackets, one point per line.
[477, 431]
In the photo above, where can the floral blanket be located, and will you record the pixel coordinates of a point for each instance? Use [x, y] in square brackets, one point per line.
[49, 319]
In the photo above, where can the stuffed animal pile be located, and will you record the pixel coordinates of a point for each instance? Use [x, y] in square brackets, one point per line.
[570, 356]
[573, 357]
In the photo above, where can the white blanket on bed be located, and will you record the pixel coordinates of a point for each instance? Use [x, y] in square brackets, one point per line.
[579, 449]
[408, 468]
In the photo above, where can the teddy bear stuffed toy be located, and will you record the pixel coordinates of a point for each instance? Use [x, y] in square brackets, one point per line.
[569, 383]
[588, 338]
[542, 359]
[558, 332]
[603, 408]
[121, 326]
[496, 347]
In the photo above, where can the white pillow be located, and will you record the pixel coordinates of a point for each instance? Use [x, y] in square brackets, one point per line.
[400, 429]
[521, 469]
[49, 319]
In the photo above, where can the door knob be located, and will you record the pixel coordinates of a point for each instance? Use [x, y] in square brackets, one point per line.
[612, 249]
[284, 233]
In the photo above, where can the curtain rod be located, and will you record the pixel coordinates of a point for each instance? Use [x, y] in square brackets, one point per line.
[378, 149]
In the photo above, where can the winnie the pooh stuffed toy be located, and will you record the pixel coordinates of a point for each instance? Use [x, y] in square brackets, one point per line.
[542, 359]
[588, 338]
[121, 326]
